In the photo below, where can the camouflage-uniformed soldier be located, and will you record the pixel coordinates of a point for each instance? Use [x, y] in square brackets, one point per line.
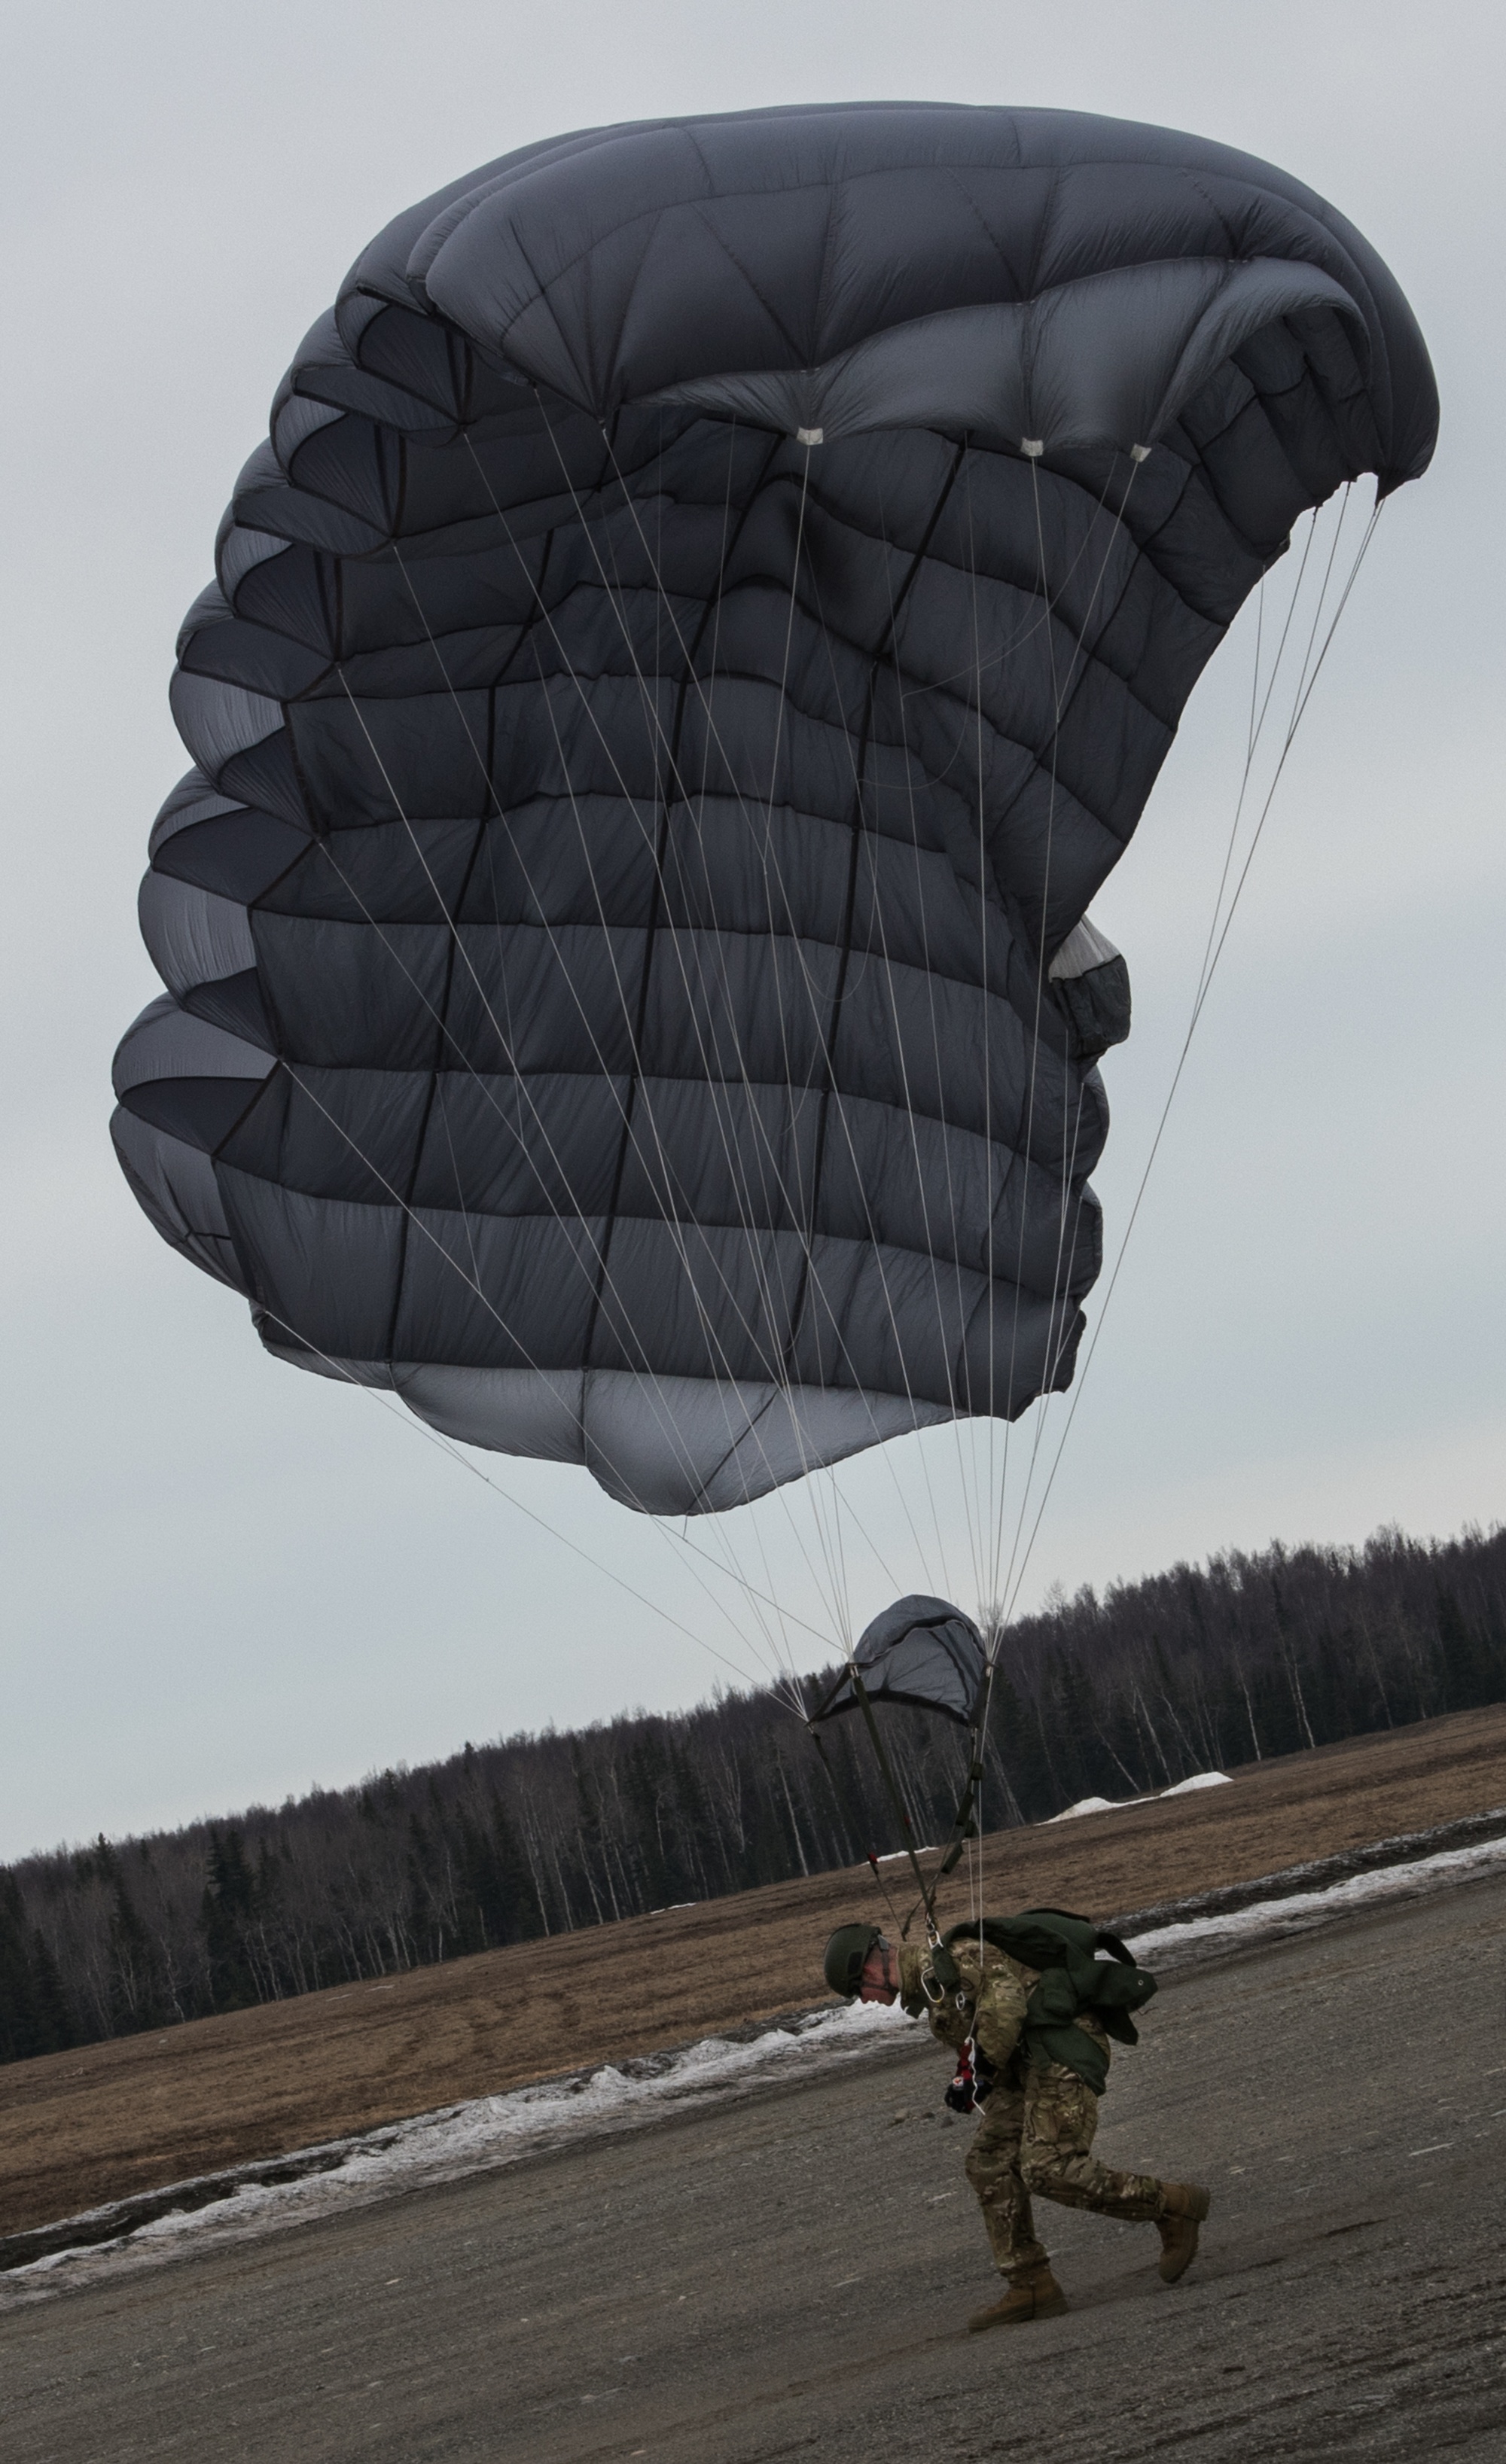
[1039, 2119]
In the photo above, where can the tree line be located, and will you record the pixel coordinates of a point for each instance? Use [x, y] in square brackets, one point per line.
[1118, 1695]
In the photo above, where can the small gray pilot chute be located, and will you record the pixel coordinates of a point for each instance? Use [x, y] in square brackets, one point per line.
[923, 1654]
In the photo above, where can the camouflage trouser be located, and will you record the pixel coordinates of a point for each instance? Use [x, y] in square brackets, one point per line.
[1039, 2137]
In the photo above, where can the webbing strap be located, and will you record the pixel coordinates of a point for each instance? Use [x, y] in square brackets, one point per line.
[963, 1827]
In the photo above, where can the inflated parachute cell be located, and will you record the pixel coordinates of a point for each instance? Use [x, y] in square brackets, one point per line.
[710, 611]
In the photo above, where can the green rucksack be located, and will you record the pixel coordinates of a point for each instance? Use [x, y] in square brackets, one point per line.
[1074, 1982]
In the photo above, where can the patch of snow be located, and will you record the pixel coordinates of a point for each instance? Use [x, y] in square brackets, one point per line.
[1172, 1945]
[1093, 1805]
[1118, 1804]
[479, 2135]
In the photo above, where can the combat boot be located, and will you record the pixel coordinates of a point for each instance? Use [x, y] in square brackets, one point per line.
[1034, 2294]
[1184, 2206]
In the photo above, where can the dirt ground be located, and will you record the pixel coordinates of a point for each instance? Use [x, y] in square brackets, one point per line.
[785, 2275]
[98, 2123]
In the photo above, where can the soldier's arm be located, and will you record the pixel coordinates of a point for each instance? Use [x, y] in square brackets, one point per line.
[950, 2026]
[999, 2015]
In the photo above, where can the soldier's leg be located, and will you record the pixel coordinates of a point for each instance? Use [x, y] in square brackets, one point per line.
[993, 2168]
[1057, 2159]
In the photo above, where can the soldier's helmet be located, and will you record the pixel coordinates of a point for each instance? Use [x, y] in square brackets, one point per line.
[845, 1952]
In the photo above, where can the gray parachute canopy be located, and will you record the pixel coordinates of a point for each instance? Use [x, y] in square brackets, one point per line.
[711, 606]
[921, 1652]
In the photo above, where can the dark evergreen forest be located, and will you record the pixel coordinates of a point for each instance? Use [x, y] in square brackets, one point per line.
[1197, 1669]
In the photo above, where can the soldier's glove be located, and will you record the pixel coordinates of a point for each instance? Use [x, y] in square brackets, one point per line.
[961, 2095]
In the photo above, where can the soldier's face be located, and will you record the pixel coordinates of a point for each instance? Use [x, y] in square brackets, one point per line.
[879, 1982]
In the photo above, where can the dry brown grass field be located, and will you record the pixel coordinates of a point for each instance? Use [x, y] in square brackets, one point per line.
[99, 2123]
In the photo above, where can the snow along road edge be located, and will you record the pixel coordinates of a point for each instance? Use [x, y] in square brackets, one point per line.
[486, 2132]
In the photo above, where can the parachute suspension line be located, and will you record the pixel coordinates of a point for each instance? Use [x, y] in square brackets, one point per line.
[671, 752]
[1307, 682]
[1259, 710]
[967, 1821]
[907, 1836]
[629, 802]
[922, 1195]
[879, 919]
[986, 1587]
[548, 620]
[411, 1421]
[858, 1829]
[756, 1599]
[766, 851]
[1041, 616]
[1029, 625]
[968, 1824]
[802, 1211]
[1061, 692]
[1255, 671]
[901, 1493]
[448, 1032]
[454, 1168]
[965, 1447]
[1012, 1584]
[411, 1215]
[621, 990]
[838, 1494]
[1257, 726]
[698, 813]
[826, 1028]
[1056, 1337]
[830, 1537]
[708, 1331]
[505, 1041]
[1079, 644]
[674, 778]
[711, 1339]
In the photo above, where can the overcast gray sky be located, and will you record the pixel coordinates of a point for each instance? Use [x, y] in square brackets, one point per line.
[225, 1581]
